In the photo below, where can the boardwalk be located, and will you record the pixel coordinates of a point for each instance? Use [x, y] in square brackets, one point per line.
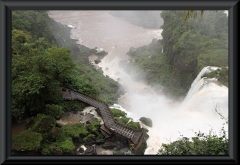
[134, 135]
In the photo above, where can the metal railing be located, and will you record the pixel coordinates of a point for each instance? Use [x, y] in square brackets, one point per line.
[134, 135]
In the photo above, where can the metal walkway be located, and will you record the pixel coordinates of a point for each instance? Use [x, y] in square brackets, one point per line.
[134, 135]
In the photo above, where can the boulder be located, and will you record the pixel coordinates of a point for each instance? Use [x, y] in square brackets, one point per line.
[90, 150]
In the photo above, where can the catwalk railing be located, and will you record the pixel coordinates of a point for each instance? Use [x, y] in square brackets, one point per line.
[134, 135]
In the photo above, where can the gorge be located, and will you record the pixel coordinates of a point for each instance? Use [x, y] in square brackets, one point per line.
[170, 118]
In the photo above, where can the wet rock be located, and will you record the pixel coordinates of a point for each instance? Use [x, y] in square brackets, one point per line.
[90, 150]
[101, 151]
[80, 150]
[100, 141]
[109, 145]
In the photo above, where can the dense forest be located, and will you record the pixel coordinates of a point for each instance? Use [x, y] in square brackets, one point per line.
[42, 62]
[189, 43]
[186, 47]
[45, 58]
[147, 19]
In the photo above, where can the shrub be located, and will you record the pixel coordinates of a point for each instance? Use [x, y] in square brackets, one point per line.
[146, 121]
[199, 145]
[43, 124]
[54, 110]
[89, 138]
[122, 120]
[67, 145]
[93, 128]
[134, 125]
[117, 113]
[27, 141]
[97, 61]
[74, 131]
[221, 74]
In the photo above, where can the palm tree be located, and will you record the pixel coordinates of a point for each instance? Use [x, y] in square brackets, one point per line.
[192, 14]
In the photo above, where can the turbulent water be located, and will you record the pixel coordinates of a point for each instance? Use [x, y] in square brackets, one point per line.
[170, 118]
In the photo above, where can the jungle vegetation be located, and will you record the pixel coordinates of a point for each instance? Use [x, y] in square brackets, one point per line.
[186, 47]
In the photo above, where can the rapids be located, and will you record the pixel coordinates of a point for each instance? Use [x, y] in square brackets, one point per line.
[170, 118]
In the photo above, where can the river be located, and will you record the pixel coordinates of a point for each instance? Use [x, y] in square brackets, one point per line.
[170, 118]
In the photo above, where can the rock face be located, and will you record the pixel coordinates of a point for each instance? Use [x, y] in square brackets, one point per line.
[108, 145]
[146, 121]
[74, 117]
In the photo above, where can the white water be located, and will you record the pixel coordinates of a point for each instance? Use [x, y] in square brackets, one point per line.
[170, 118]
[196, 83]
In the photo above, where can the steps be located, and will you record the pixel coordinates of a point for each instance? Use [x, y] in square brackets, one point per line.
[135, 136]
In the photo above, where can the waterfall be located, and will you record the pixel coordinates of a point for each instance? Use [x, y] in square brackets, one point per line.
[197, 83]
[170, 118]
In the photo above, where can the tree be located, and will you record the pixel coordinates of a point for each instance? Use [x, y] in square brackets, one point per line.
[193, 14]
[201, 144]
[38, 70]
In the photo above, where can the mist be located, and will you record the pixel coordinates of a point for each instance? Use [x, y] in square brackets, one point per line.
[171, 118]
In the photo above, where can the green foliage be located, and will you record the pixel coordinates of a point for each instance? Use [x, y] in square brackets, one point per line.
[105, 89]
[146, 121]
[39, 68]
[97, 61]
[67, 145]
[199, 145]
[134, 125]
[90, 136]
[43, 124]
[37, 74]
[122, 120]
[73, 105]
[117, 112]
[27, 141]
[213, 58]
[94, 127]
[63, 145]
[31, 21]
[221, 75]
[131, 146]
[102, 53]
[74, 131]
[120, 116]
[117, 153]
[143, 147]
[50, 150]
[185, 49]
[54, 110]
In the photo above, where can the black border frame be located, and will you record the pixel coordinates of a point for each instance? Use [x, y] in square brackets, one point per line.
[5, 73]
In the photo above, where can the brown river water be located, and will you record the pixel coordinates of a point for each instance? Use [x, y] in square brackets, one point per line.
[170, 118]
